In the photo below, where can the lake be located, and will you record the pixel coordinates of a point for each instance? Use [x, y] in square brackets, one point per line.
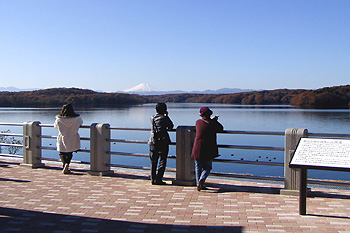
[233, 117]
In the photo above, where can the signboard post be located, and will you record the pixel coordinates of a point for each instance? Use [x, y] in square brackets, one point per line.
[319, 154]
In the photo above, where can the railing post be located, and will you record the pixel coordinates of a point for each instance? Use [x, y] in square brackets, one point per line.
[292, 175]
[32, 144]
[100, 159]
[185, 174]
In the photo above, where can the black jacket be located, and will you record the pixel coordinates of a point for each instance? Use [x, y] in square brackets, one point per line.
[160, 126]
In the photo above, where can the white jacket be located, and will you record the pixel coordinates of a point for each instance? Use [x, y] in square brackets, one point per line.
[68, 139]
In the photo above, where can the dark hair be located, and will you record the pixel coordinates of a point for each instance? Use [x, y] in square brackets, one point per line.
[161, 108]
[68, 111]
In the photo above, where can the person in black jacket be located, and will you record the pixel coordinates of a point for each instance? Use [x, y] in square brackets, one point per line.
[159, 143]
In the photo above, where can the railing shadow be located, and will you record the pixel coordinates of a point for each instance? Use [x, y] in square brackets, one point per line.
[74, 171]
[327, 216]
[212, 187]
[328, 195]
[13, 180]
[225, 188]
[6, 164]
[130, 176]
[33, 221]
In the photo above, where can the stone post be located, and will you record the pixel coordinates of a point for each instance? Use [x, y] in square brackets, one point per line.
[100, 159]
[185, 173]
[32, 144]
[292, 175]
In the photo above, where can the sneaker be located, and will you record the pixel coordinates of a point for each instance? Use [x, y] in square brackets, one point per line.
[66, 169]
[69, 172]
[160, 182]
[200, 185]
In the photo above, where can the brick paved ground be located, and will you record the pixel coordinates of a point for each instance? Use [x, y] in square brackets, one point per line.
[45, 200]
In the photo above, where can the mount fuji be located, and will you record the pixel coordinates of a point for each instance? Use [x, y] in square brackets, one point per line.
[141, 88]
[146, 89]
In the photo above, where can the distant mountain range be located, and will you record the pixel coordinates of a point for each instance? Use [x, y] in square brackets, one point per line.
[328, 97]
[146, 89]
[15, 89]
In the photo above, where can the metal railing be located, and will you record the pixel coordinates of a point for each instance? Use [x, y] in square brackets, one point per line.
[248, 147]
[55, 137]
[219, 160]
[5, 134]
[134, 142]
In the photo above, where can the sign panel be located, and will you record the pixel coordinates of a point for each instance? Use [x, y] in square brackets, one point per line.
[321, 153]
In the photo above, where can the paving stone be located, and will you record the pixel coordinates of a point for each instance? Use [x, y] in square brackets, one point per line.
[45, 200]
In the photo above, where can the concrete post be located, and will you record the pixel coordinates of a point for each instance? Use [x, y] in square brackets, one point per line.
[32, 144]
[185, 173]
[292, 175]
[100, 159]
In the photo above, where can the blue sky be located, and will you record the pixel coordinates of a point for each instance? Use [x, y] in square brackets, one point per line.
[112, 45]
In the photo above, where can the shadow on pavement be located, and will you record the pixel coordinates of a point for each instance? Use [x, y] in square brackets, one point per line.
[223, 188]
[13, 180]
[32, 221]
[327, 216]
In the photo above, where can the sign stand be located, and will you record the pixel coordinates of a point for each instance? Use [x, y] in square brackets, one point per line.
[319, 154]
[303, 191]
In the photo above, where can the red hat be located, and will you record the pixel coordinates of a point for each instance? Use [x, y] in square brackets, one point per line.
[205, 111]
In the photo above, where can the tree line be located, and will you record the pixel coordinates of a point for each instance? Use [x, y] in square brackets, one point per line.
[329, 97]
[56, 97]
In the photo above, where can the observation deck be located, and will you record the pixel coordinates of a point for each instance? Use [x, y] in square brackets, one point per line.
[45, 200]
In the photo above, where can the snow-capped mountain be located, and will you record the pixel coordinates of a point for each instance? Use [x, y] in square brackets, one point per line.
[146, 89]
[143, 87]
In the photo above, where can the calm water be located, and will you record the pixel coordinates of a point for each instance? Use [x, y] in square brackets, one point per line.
[233, 117]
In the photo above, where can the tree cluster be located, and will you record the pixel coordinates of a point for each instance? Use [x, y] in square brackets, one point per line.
[330, 97]
[56, 97]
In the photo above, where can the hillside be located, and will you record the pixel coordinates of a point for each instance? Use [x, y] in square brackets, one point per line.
[330, 97]
[247, 98]
[56, 97]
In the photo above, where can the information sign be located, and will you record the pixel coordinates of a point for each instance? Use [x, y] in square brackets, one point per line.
[318, 153]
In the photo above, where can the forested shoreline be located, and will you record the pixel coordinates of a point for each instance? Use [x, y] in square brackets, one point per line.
[329, 97]
[56, 97]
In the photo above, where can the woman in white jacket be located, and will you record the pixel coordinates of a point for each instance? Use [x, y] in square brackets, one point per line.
[67, 123]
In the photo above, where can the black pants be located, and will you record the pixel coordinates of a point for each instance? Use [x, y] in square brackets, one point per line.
[66, 157]
[159, 152]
